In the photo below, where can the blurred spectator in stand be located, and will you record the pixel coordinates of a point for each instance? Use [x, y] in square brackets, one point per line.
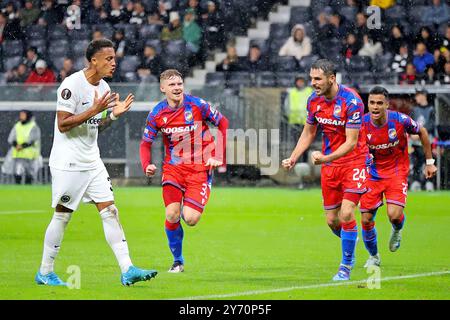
[174, 30]
[401, 59]
[66, 70]
[409, 76]
[195, 6]
[128, 10]
[97, 13]
[29, 14]
[370, 48]
[254, 62]
[9, 30]
[120, 43]
[31, 56]
[192, 33]
[151, 64]
[441, 59]
[213, 26]
[323, 27]
[339, 28]
[155, 18]
[138, 16]
[444, 78]
[427, 37]
[295, 111]
[164, 8]
[424, 114]
[50, 14]
[97, 34]
[351, 46]
[116, 14]
[231, 61]
[41, 74]
[422, 58]
[17, 74]
[430, 77]
[396, 39]
[360, 27]
[298, 44]
[445, 41]
[436, 13]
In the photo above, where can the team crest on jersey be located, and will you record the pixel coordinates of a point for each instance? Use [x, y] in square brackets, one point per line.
[392, 133]
[337, 111]
[188, 116]
[369, 136]
[65, 198]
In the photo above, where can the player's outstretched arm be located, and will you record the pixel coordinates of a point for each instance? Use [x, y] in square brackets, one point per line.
[118, 108]
[304, 142]
[351, 139]
[430, 168]
[68, 121]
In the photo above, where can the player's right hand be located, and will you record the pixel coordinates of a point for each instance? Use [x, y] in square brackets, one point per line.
[288, 164]
[150, 170]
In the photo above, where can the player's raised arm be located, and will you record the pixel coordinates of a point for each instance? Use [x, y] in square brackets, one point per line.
[118, 109]
[304, 142]
[68, 120]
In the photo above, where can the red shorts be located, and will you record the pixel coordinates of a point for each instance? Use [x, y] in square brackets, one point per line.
[188, 186]
[342, 182]
[395, 190]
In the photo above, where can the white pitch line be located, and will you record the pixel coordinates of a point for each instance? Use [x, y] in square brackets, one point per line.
[22, 211]
[314, 286]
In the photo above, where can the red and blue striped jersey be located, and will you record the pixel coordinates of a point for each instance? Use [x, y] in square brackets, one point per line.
[345, 110]
[186, 135]
[388, 144]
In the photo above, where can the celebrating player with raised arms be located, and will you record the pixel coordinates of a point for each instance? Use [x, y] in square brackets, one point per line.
[191, 155]
[338, 111]
[386, 134]
[77, 171]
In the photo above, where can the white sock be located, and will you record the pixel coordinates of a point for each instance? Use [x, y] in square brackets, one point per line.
[115, 236]
[52, 241]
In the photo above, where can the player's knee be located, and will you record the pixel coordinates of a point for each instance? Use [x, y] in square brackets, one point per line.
[366, 219]
[63, 216]
[191, 218]
[173, 215]
[110, 211]
[333, 222]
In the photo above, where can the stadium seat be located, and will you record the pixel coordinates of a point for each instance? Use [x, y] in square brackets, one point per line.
[286, 79]
[306, 62]
[150, 31]
[129, 64]
[57, 32]
[79, 63]
[215, 79]
[11, 62]
[35, 32]
[175, 48]
[382, 63]
[288, 64]
[39, 44]
[385, 78]
[59, 48]
[266, 79]
[415, 14]
[12, 48]
[359, 64]
[262, 44]
[279, 30]
[360, 78]
[130, 30]
[395, 13]
[239, 79]
[275, 45]
[57, 62]
[79, 47]
[83, 33]
[155, 43]
[349, 13]
[300, 15]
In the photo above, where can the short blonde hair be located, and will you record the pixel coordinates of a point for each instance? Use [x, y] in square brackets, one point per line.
[170, 73]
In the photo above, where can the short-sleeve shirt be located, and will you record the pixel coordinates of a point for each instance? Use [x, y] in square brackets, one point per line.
[388, 144]
[77, 149]
[334, 116]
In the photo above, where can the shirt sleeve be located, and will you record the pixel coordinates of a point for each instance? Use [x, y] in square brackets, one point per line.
[310, 117]
[67, 98]
[151, 128]
[355, 110]
[411, 126]
[210, 113]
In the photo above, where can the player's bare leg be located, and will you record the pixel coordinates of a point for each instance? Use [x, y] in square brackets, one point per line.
[397, 218]
[191, 216]
[175, 234]
[333, 220]
[369, 234]
[115, 237]
[52, 243]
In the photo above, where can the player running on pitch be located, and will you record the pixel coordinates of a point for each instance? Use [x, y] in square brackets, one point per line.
[77, 171]
[191, 155]
[338, 111]
[385, 132]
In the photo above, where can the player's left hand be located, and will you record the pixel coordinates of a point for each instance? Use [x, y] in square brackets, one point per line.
[213, 163]
[317, 157]
[120, 107]
[430, 171]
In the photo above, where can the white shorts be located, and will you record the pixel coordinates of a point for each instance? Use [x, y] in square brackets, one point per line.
[70, 187]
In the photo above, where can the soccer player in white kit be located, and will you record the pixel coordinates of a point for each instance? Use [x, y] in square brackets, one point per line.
[77, 171]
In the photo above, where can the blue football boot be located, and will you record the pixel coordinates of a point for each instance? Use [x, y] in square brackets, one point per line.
[135, 274]
[50, 279]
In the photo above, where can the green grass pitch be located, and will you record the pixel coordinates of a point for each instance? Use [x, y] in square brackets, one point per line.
[250, 244]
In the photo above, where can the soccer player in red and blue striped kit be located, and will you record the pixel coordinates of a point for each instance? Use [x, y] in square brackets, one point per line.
[386, 134]
[191, 154]
[338, 110]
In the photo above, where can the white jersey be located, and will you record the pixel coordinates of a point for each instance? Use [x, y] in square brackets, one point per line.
[77, 149]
